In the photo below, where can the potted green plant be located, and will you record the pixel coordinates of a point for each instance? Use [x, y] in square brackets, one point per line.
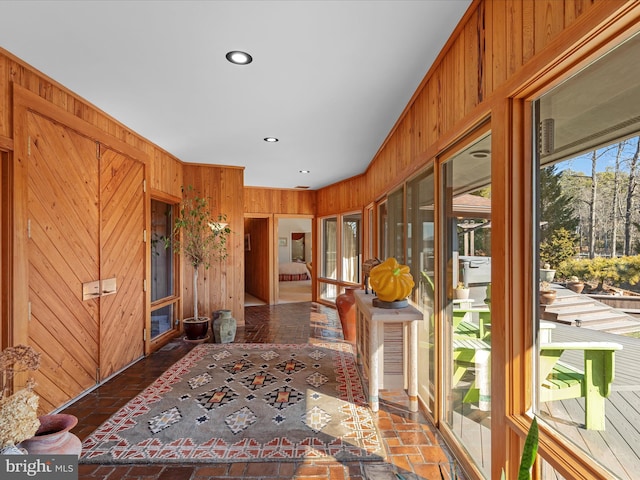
[201, 240]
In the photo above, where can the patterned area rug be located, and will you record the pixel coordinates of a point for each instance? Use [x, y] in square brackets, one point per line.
[245, 402]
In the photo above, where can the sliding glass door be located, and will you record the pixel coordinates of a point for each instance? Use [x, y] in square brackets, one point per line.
[465, 210]
[421, 260]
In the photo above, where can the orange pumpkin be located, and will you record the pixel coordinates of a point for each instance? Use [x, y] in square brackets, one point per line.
[391, 281]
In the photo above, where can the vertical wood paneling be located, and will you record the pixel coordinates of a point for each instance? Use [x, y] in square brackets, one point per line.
[166, 173]
[513, 23]
[5, 99]
[433, 88]
[499, 43]
[494, 44]
[419, 110]
[342, 197]
[575, 8]
[527, 30]
[122, 315]
[473, 68]
[286, 201]
[257, 267]
[222, 285]
[549, 21]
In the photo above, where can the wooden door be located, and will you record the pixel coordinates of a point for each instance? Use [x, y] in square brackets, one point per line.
[63, 254]
[122, 258]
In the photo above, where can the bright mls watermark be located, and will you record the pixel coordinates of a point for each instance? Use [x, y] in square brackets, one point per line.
[41, 467]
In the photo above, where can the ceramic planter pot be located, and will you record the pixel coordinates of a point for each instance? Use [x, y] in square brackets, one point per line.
[345, 303]
[547, 297]
[461, 293]
[224, 327]
[576, 287]
[54, 436]
[196, 329]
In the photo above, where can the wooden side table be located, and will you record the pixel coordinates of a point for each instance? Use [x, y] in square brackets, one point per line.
[370, 347]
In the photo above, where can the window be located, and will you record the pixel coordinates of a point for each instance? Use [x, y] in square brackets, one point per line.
[351, 247]
[329, 248]
[421, 260]
[395, 230]
[341, 257]
[586, 174]
[162, 268]
[466, 331]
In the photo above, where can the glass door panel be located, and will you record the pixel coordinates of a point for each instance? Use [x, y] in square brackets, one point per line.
[466, 333]
[587, 257]
[162, 267]
[351, 245]
[421, 260]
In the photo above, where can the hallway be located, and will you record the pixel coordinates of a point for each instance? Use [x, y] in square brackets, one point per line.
[414, 448]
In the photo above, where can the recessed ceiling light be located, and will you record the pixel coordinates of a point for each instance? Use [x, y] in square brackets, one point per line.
[239, 58]
[305, 171]
[270, 139]
[480, 153]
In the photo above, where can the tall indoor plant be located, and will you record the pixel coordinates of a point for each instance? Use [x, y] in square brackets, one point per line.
[201, 240]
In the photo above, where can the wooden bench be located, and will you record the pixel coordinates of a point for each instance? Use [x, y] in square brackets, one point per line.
[563, 381]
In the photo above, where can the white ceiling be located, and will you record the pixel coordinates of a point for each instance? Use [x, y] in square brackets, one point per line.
[329, 78]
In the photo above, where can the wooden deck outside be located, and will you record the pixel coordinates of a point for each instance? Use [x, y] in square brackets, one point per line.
[617, 448]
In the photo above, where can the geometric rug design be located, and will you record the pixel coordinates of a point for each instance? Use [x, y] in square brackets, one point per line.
[245, 402]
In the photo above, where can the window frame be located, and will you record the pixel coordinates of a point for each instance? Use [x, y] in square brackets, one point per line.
[338, 283]
[174, 300]
[520, 299]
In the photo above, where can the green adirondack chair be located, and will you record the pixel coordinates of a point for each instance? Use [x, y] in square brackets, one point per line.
[593, 382]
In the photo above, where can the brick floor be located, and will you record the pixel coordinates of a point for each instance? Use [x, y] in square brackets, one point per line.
[414, 447]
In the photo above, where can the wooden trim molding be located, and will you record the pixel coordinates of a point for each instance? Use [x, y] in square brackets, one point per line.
[23, 98]
[6, 144]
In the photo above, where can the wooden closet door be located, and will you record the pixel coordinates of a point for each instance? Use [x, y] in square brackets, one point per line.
[123, 258]
[63, 254]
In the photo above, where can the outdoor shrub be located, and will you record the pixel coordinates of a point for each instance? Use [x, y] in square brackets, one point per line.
[560, 247]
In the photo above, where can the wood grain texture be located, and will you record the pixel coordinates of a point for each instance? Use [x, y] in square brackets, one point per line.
[166, 173]
[258, 267]
[494, 43]
[63, 253]
[123, 257]
[222, 285]
[272, 200]
[342, 197]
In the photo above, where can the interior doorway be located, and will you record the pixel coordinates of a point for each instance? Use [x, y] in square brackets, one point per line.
[294, 259]
[258, 260]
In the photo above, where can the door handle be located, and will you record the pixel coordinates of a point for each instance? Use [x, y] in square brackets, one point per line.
[108, 286]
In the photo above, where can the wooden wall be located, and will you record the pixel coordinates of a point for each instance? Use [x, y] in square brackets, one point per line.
[271, 200]
[258, 267]
[164, 174]
[493, 43]
[222, 285]
[502, 52]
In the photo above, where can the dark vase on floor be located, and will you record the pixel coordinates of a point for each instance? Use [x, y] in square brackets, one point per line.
[345, 303]
[196, 329]
[54, 436]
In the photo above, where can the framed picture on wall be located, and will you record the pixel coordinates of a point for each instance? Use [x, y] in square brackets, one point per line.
[282, 241]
